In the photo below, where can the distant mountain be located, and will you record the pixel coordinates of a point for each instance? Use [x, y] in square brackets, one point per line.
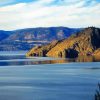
[24, 39]
[4, 34]
[86, 42]
[42, 34]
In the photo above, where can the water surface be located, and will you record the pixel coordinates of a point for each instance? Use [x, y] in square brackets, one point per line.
[44, 78]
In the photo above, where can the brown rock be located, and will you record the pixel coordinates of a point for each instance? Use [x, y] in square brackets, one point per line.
[86, 42]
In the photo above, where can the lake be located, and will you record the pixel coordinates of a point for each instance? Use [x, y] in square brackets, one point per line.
[45, 78]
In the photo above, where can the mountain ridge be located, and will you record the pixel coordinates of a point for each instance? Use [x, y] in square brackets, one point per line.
[25, 39]
[85, 42]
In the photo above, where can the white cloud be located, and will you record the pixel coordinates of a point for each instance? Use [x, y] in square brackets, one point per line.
[43, 14]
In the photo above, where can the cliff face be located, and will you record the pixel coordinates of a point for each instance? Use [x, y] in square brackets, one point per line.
[42, 50]
[86, 42]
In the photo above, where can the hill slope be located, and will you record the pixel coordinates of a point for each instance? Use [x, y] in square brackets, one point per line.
[4, 34]
[25, 39]
[86, 42]
[42, 34]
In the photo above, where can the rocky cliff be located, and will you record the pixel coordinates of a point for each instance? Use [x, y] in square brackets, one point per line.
[86, 42]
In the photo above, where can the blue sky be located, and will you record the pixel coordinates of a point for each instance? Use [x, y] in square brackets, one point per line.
[17, 14]
[11, 2]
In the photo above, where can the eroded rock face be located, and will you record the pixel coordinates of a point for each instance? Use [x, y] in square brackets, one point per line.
[68, 53]
[86, 42]
[71, 53]
[41, 50]
[97, 52]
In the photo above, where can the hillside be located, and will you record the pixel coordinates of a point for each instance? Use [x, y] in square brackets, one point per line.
[25, 39]
[42, 34]
[4, 34]
[86, 42]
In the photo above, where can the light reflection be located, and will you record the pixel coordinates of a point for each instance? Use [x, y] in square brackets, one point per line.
[50, 61]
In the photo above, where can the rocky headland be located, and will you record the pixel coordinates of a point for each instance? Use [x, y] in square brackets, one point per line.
[86, 42]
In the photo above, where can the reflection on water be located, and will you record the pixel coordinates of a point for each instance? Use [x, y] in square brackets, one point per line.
[87, 59]
[22, 60]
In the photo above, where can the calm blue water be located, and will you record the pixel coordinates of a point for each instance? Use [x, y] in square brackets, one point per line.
[44, 78]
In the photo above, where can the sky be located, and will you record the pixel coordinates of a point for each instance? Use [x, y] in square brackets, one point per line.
[19, 14]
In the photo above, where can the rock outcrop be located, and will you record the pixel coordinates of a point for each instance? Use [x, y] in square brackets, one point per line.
[42, 50]
[97, 53]
[86, 42]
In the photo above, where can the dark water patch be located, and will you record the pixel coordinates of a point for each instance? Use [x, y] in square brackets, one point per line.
[94, 68]
[12, 57]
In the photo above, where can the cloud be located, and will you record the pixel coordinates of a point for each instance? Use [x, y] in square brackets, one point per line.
[46, 13]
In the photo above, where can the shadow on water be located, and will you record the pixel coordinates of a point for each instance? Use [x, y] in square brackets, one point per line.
[30, 60]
